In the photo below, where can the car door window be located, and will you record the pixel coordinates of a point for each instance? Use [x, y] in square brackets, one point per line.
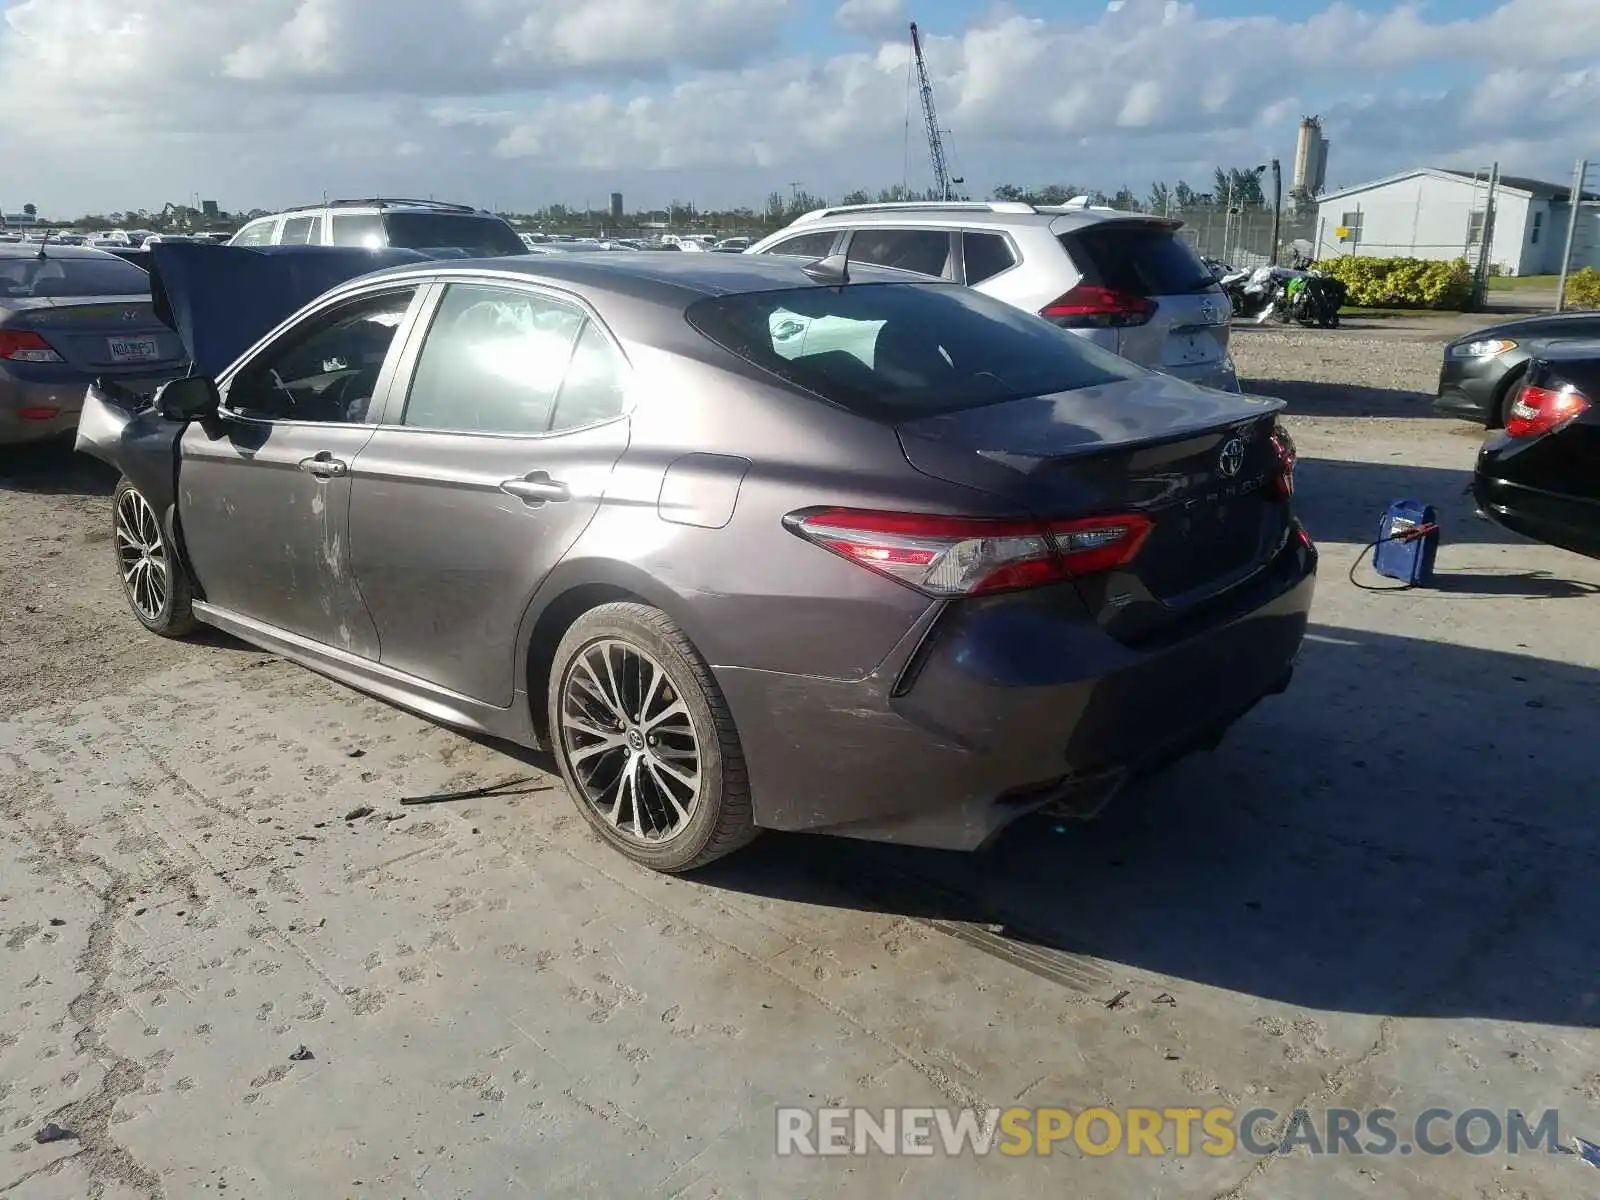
[593, 388]
[257, 233]
[328, 369]
[357, 229]
[300, 231]
[926, 251]
[493, 362]
[985, 256]
[807, 245]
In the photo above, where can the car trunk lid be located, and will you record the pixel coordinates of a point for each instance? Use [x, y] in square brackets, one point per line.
[1200, 465]
[100, 334]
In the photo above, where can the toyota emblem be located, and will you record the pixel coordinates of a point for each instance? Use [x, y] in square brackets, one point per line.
[1231, 460]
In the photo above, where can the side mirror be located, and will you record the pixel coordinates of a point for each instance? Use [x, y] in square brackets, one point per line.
[187, 399]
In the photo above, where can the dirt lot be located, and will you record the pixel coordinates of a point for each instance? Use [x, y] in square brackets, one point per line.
[1379, 892]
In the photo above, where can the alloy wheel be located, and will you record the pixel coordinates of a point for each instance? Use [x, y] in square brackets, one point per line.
[630, 741]
[142, 554]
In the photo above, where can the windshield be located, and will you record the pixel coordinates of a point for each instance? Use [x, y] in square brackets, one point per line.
[897, 351]
[478, 236]
[71, 276]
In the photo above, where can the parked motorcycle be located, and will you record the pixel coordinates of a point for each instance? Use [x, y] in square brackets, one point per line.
[1291, 294]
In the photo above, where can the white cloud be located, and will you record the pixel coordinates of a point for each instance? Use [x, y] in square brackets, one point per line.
[113, 103]
[874, 18]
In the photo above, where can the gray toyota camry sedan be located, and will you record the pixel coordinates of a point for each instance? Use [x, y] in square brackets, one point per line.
[746, 542]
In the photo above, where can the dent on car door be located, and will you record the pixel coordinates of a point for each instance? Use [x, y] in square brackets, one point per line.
[484, 472]
[264, 488]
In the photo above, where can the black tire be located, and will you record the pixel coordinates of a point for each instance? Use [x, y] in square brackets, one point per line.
[1506, 397]
[154, 581]
[719, 819]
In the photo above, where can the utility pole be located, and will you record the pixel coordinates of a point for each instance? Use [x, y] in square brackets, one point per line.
[1277, 210]
[1579, 174]
[794, 193]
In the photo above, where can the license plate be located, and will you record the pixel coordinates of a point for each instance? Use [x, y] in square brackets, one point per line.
[1191, 348]
[133, 350]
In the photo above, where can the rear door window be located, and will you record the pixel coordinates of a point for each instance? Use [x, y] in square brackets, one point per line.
[1137, 257]
[926, 251]
[300, 231]
[985, 256]
[493, 362]
[474, 236]
[357, 229]
[897, 351]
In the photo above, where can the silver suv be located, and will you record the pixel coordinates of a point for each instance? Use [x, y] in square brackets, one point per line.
[1126, 281]
[426, 225]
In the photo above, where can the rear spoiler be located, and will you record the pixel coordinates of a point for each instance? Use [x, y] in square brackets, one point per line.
[221, 300]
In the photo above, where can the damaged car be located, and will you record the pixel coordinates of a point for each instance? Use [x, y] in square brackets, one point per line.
[746, 542]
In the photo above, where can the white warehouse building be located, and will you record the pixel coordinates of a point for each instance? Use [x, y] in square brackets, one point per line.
[1434, 213]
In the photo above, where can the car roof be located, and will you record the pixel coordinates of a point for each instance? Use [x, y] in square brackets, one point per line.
[680, 278]
[52, 250]
[966, 214]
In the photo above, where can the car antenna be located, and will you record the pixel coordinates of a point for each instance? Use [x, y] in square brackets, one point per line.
[835, 268]
[45, 243]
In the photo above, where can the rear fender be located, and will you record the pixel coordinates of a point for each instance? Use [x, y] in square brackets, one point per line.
[134, 439]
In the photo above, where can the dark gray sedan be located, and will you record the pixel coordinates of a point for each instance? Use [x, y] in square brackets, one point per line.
[745, 542]
[70, 314]
[1483, 371]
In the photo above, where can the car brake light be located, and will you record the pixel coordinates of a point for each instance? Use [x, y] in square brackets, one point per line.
[38, 414]
[963, 556]
[1283, 450]
[1540, 410]
[24, 345]
[1089, 306]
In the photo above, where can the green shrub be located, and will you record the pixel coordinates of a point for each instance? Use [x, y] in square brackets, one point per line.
[1583, 289]
[1403, 282]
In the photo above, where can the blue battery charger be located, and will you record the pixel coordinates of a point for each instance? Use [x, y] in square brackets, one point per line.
[1408, 542]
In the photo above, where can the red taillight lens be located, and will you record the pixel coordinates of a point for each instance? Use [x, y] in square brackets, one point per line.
[1539, 410]
[962, 556]
[1283, 450]
[1089, 306]
[23, 345]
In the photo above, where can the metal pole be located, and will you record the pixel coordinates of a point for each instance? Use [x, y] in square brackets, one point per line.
[1480, 282]
[1578, 176]
[1277, 210]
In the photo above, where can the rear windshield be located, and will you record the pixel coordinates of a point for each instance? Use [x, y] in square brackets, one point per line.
[479, 237]
[897, 351]
[1146, 260]
[74, 276]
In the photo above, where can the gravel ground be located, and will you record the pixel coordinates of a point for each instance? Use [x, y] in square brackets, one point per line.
[1377, 892]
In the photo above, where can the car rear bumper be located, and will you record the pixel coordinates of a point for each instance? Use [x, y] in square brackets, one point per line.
[1004, 707]
[34, 412]
[1220, 375]
[1566, 522]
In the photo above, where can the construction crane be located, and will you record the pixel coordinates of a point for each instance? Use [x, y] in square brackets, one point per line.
[941, 168]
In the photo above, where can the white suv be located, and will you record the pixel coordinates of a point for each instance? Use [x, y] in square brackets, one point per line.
[426, 225]
[1126, 281]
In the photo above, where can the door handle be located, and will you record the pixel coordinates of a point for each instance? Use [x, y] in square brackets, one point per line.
[324, 465]
[536, 488]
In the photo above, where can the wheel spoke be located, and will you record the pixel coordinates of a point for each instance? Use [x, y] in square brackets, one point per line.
[629, 741]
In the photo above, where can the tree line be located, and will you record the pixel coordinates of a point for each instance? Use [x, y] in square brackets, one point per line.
[1239, 187]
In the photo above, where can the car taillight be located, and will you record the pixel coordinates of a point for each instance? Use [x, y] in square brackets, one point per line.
[24, 345]
[1284, 452]
[963, 556]
[1539, 410]
[1089, 306]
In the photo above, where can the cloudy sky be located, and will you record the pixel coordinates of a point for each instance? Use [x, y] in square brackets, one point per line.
[519, 103]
